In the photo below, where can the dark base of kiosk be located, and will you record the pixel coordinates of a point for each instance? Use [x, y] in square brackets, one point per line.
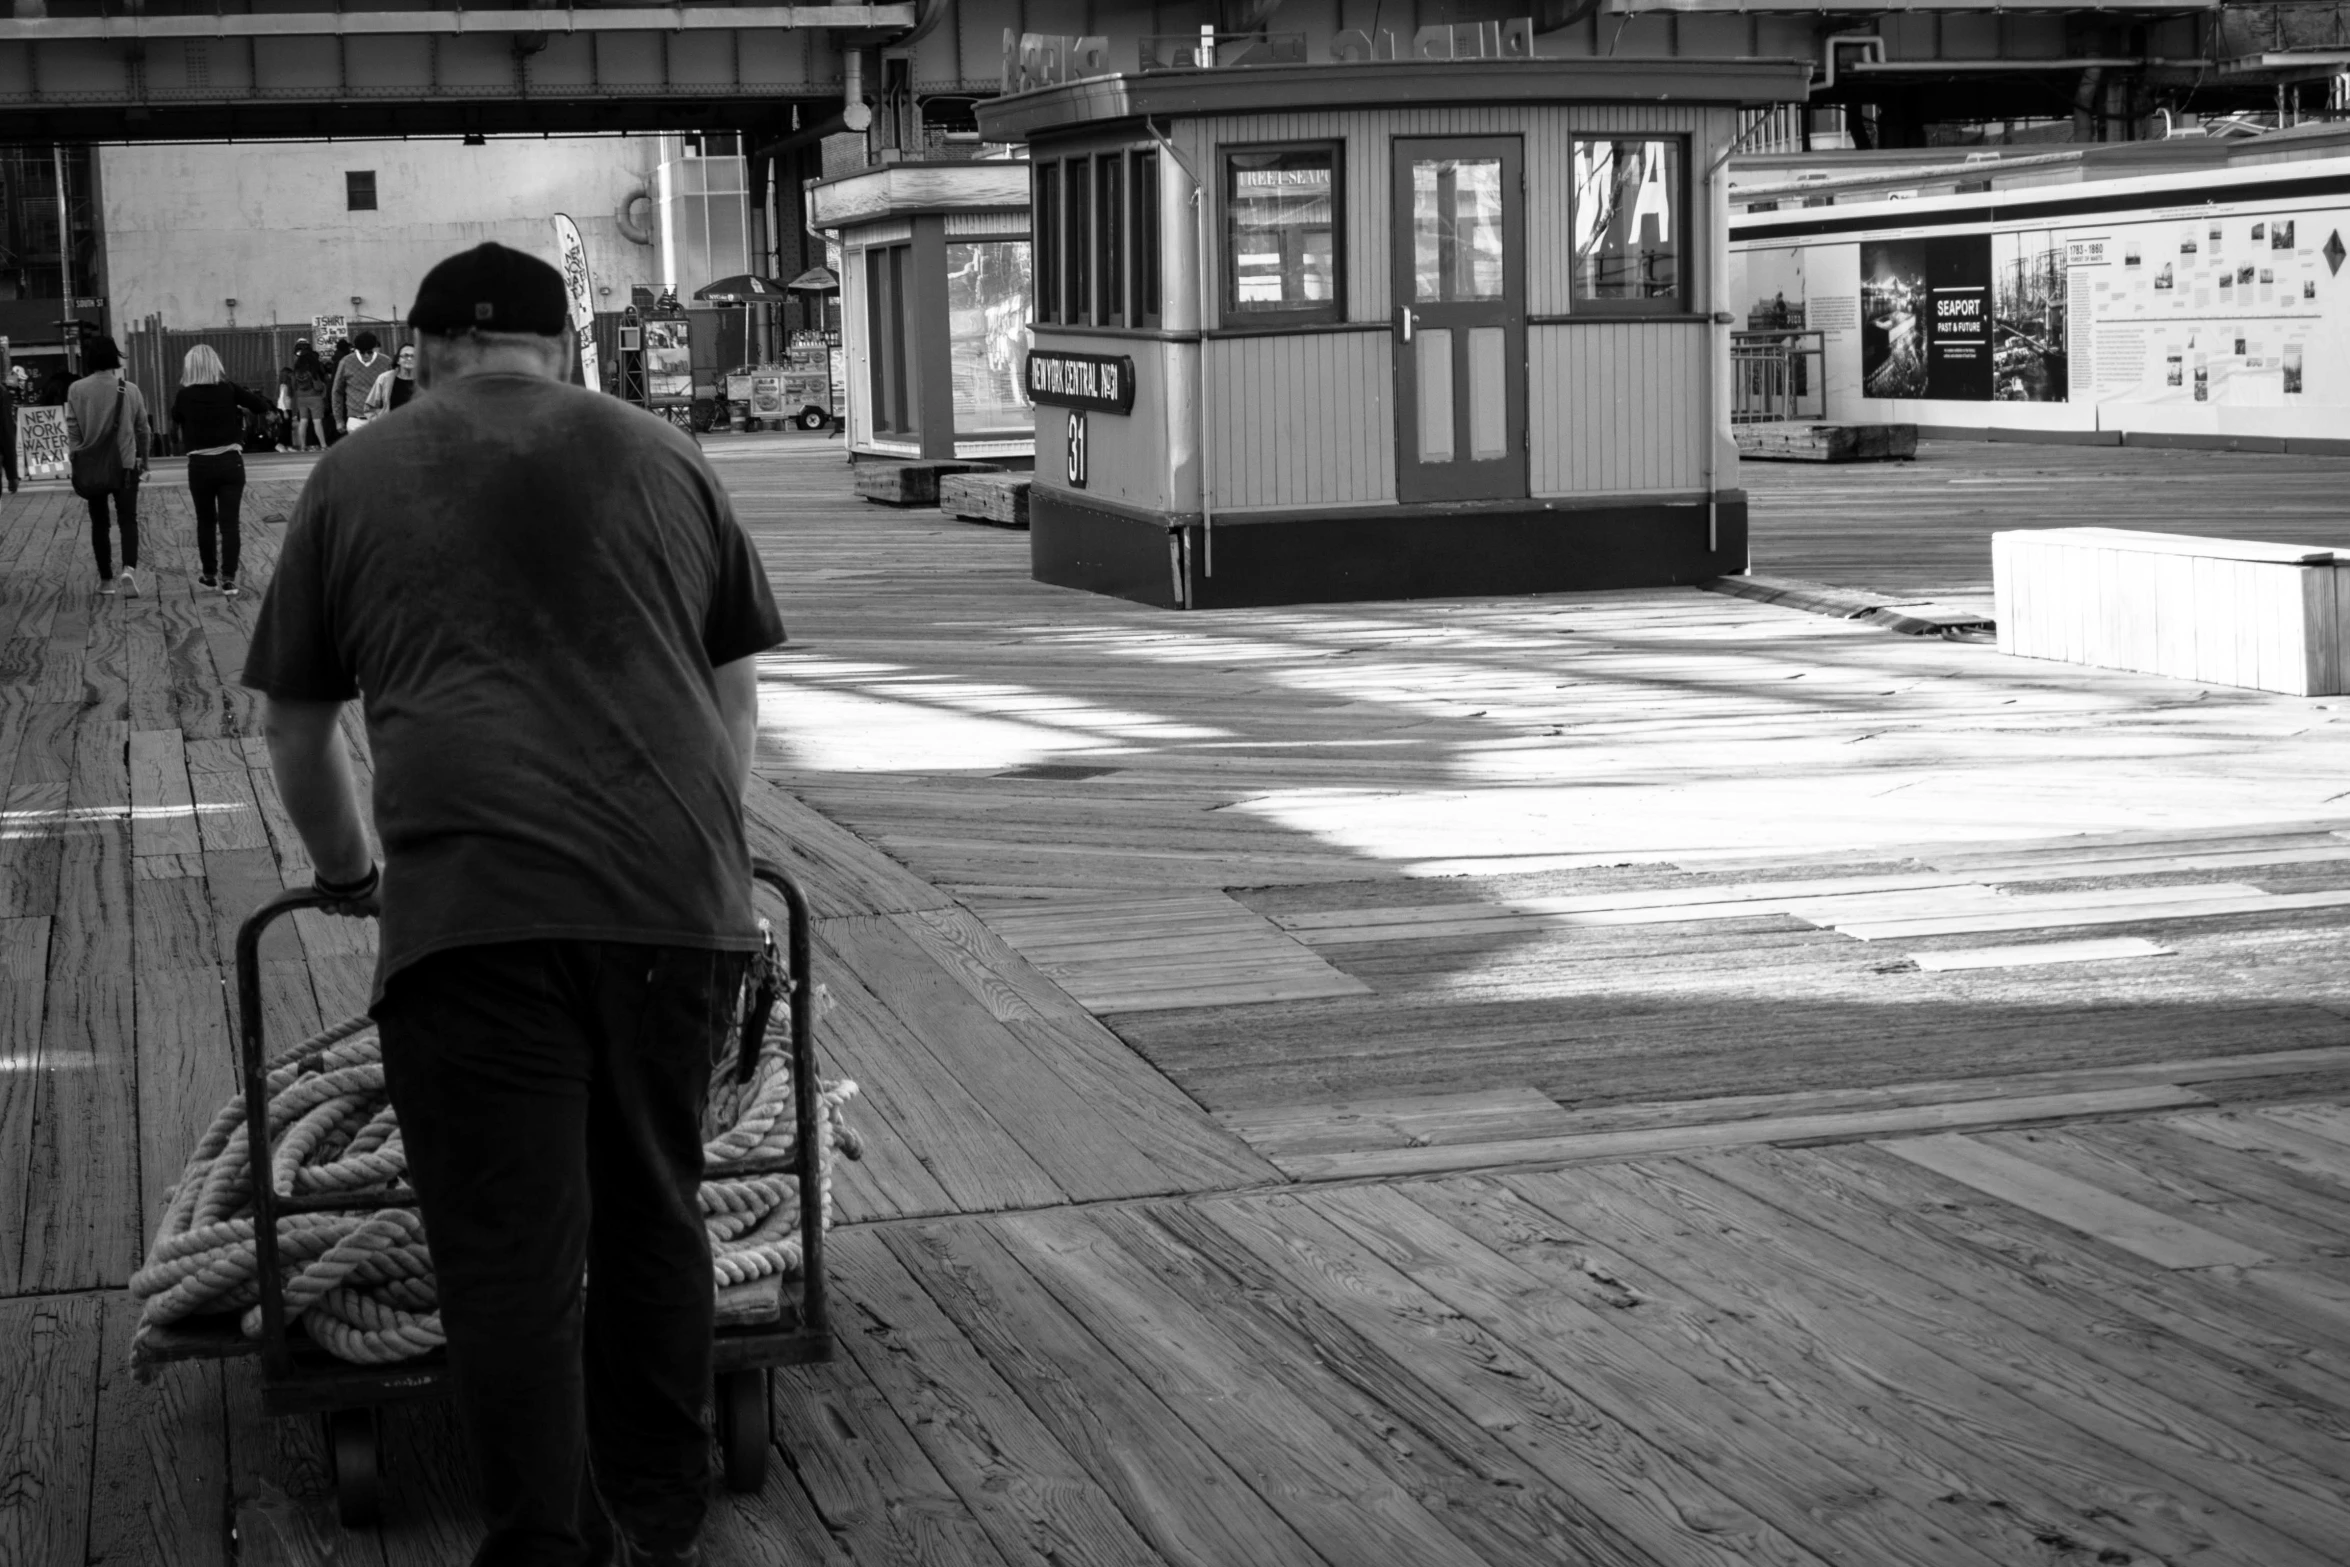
[1390, 553]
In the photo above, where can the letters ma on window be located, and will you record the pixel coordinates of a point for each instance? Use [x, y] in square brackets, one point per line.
[1283, 215]
[1631, 222]
[1097, 239]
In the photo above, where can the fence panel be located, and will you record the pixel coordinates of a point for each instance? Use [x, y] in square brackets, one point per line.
[252, 356]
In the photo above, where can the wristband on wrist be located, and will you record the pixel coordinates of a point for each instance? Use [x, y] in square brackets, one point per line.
[364, 887]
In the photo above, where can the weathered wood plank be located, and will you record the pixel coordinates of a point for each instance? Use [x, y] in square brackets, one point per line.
[1659, 1498]
[876, 1490]
[1084, 1154]
[163, 811]
[82, 1202]
[1119, 1086]
[1913, 1350]
[2159, 1238]
[160, 1470]
[2166, 1404]
[974, 1161]
[1320, 1482]
[48, 1421]
[841, 873]
[24, 963]
[1594, 1147]
[1775, 1447]
[1173, 1485]
[1017, 1481]
[187, 1072]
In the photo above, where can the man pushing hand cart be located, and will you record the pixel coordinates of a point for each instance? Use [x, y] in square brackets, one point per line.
[549, 616]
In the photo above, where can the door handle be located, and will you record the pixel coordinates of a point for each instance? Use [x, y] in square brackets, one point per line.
[1404, 317]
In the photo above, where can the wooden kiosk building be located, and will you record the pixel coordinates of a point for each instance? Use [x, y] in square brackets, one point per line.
[1425, 326]
[935, 300]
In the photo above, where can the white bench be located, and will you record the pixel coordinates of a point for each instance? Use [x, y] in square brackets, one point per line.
[2228, 612]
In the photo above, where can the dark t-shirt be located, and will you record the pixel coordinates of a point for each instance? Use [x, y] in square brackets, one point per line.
[528, 585]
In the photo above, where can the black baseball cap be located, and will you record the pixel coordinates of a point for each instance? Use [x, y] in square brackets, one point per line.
[491, 288]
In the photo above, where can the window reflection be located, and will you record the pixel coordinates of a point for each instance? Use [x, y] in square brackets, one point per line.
[1628, 218]
[1281, 245]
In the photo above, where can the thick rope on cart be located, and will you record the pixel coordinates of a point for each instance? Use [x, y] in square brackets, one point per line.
[361, 1284]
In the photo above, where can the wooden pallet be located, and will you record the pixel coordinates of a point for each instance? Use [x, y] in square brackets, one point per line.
[910, 483]
[986, 497]
[1809, 440]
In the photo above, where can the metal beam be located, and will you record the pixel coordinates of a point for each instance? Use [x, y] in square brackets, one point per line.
[1897, 7]
[375, 24]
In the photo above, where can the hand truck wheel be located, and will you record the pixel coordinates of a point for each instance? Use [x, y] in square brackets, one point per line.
[743, 1434]
[351, 1455]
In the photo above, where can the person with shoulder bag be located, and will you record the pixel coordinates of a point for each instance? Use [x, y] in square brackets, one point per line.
[107, 426]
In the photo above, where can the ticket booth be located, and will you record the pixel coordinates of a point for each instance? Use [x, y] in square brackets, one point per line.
[1384, 328]
[935, 300]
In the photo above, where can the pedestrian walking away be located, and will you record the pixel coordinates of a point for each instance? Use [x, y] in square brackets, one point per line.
[209, 412]
[542, 600]
[306, 379]
[109, 436]
[355, 377]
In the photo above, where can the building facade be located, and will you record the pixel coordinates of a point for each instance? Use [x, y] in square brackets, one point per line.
[218, 235]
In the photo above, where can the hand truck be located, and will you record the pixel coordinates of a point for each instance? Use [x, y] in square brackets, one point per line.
[299, 1378]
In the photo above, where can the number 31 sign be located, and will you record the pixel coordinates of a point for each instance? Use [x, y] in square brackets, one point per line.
[1077, 453]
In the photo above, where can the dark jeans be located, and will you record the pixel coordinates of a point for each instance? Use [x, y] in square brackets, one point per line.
[550, 1095]
[126, 511]
[216, 483]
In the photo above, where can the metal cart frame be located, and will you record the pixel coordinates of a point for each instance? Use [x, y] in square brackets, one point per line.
[299, 1378]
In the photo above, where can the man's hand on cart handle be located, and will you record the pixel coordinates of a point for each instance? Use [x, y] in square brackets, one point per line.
[353, 899]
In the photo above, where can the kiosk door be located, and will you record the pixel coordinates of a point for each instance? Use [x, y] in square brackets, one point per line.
[1460, 319]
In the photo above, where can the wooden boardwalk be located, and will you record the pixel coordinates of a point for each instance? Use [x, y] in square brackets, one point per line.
[1637, 1078]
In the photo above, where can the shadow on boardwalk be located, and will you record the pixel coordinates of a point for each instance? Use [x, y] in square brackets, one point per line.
[1458, 1083]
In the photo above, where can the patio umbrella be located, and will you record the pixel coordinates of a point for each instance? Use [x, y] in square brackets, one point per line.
[816, 280]
[742, 288]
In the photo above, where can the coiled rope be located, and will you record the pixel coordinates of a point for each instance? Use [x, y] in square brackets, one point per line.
[361, 1284]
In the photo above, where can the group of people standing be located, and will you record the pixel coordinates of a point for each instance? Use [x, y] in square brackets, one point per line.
[328, 398]
[208, 414]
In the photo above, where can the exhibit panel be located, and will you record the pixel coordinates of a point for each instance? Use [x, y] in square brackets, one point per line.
[936, 293]
[1457, 328]
[2200, 306]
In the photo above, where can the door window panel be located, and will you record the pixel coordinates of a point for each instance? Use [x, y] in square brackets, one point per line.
[1489, 394]
[1628, 219]
[1281, 248]
[1456, 230]
[1434, 364]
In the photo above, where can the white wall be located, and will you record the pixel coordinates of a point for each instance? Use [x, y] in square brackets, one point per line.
[266, 223]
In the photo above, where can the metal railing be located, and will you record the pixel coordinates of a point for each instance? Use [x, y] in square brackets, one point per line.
[1777, 375]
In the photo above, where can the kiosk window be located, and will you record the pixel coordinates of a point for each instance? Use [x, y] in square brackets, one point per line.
[895, 407]
[987, 319]
[1077, 241]
[1146, 239]
[1110, 262]
[1631, 224]
[1281, 227]
[1048, 242]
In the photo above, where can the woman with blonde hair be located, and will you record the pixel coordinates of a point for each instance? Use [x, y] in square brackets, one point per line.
[209, 412]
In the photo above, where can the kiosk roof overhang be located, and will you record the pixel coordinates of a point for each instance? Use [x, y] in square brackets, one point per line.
[1099, 100]
[901, 190]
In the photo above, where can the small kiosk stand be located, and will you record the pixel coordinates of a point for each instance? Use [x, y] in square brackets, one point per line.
[1426, 325]
[935, 300]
